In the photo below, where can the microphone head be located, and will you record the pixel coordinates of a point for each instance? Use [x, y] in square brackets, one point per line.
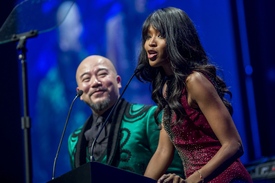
[79, 93]
[139, 67]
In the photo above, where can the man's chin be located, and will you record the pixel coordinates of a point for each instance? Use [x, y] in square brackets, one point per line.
[100, 104]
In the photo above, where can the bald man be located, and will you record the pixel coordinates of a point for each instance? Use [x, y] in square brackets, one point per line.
[130, 137]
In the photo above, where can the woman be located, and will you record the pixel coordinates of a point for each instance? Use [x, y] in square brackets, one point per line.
[197, 118]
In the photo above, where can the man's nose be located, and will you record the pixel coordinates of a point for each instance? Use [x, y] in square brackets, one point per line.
[96, 82]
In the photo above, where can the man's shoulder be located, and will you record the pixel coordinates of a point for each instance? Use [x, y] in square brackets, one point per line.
[138, 106]
[140, 111]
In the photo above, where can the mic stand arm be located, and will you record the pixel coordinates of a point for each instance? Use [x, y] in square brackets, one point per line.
[92, 159]
[25, 119]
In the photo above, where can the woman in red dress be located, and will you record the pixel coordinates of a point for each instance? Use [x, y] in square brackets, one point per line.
[197, 118]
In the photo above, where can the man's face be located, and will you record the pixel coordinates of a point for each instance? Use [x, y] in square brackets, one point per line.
[98, 79]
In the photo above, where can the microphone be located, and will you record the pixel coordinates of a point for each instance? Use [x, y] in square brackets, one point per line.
[114, 106]
[78, 94]
[139, 67]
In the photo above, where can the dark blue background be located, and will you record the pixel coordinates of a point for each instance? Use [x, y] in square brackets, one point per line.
[237, 35]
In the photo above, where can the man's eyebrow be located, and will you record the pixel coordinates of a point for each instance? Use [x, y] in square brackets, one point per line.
[83, 74]
[100, 69]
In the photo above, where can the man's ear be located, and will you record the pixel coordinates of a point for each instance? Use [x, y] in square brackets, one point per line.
[118, 79]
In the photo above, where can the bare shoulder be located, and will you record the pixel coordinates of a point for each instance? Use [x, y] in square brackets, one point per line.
[198, 85]
[196, 79]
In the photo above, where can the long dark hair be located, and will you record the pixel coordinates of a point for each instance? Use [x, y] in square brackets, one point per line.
[185, 53]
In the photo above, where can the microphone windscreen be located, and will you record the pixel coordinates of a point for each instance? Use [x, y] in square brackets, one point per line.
[139, 67]
[79, 93]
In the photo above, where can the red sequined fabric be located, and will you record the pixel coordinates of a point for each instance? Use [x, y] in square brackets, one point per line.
[197, 144]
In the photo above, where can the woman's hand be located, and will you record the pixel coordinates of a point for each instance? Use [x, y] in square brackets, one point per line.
[170, 178]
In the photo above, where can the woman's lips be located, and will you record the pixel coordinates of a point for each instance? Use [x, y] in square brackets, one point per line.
[152, 55]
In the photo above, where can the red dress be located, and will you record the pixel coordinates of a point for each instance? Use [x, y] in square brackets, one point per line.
[197, 144]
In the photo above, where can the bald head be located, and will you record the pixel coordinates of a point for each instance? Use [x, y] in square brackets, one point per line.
[97, 77]
[91, 62]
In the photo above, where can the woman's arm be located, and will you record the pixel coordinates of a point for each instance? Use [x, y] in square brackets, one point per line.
[202, 93]
[162, 158]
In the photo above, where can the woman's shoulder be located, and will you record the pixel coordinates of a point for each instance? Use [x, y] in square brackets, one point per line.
[196, 78]
[197, 82]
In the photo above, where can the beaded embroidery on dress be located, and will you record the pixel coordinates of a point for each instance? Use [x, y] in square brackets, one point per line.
[196, 143]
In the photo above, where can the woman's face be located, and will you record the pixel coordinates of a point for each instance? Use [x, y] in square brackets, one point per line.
[155, 47]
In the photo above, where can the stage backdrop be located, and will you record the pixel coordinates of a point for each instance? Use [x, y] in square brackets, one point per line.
[112, 29]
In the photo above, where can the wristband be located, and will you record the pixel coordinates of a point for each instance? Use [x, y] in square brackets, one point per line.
[201, 177]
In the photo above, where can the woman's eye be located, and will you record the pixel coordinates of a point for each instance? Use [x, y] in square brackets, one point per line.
[161, 36]
[147, 37]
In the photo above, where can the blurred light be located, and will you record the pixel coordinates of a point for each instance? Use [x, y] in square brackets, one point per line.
[271, 74]
[248, 70]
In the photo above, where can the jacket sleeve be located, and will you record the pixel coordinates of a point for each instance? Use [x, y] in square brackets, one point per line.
[72, 142]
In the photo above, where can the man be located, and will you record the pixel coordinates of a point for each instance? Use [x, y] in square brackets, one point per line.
[130, 137]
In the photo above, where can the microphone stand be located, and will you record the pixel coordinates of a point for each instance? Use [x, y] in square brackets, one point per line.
[25, 119]
[79, 93]
[92, 159]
